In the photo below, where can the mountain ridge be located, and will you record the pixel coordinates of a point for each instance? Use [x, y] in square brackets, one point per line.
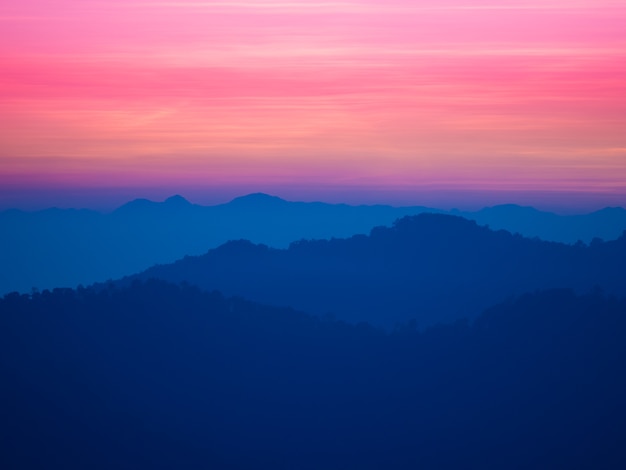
[81, 246]
[408, 268]
[201, 380]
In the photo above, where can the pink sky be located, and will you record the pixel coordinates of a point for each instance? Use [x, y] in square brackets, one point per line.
[364, 100]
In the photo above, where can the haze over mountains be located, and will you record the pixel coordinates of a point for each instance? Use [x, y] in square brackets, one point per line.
[429, 342]
[57, 247]
[429, 267]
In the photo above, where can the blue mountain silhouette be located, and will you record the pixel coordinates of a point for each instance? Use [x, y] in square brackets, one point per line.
[430, 267]
[158, 376]
[56, 247]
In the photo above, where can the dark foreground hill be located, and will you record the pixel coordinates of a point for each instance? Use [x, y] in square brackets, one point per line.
[54, 247]
[157, 377]
[430, 267]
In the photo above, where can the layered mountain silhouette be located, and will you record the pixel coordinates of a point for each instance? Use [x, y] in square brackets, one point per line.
[401, 360]
[429, 267]
[57, 247]
[606, 224]
[161, 376]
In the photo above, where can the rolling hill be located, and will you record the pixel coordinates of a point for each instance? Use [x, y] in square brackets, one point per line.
[429, 267]
[161, 376]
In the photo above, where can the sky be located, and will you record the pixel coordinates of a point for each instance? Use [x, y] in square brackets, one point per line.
[453, 103]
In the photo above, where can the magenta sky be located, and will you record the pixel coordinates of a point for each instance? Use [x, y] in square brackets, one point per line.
[362, 100]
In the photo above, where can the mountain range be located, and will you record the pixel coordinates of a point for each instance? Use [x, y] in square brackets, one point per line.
[159, 376]
[430, 267]
[67, 247]
[429, 341]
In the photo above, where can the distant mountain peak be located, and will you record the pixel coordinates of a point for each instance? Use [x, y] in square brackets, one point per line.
[135, 204]
[177, 200]
[512, 207]
[141, 205]
[254, 199]
[139, 200]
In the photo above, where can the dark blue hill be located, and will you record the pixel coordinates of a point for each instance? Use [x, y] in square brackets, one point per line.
[430, 267]
[157, 376]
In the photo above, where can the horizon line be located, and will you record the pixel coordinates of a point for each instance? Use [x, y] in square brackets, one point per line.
[103, 207]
